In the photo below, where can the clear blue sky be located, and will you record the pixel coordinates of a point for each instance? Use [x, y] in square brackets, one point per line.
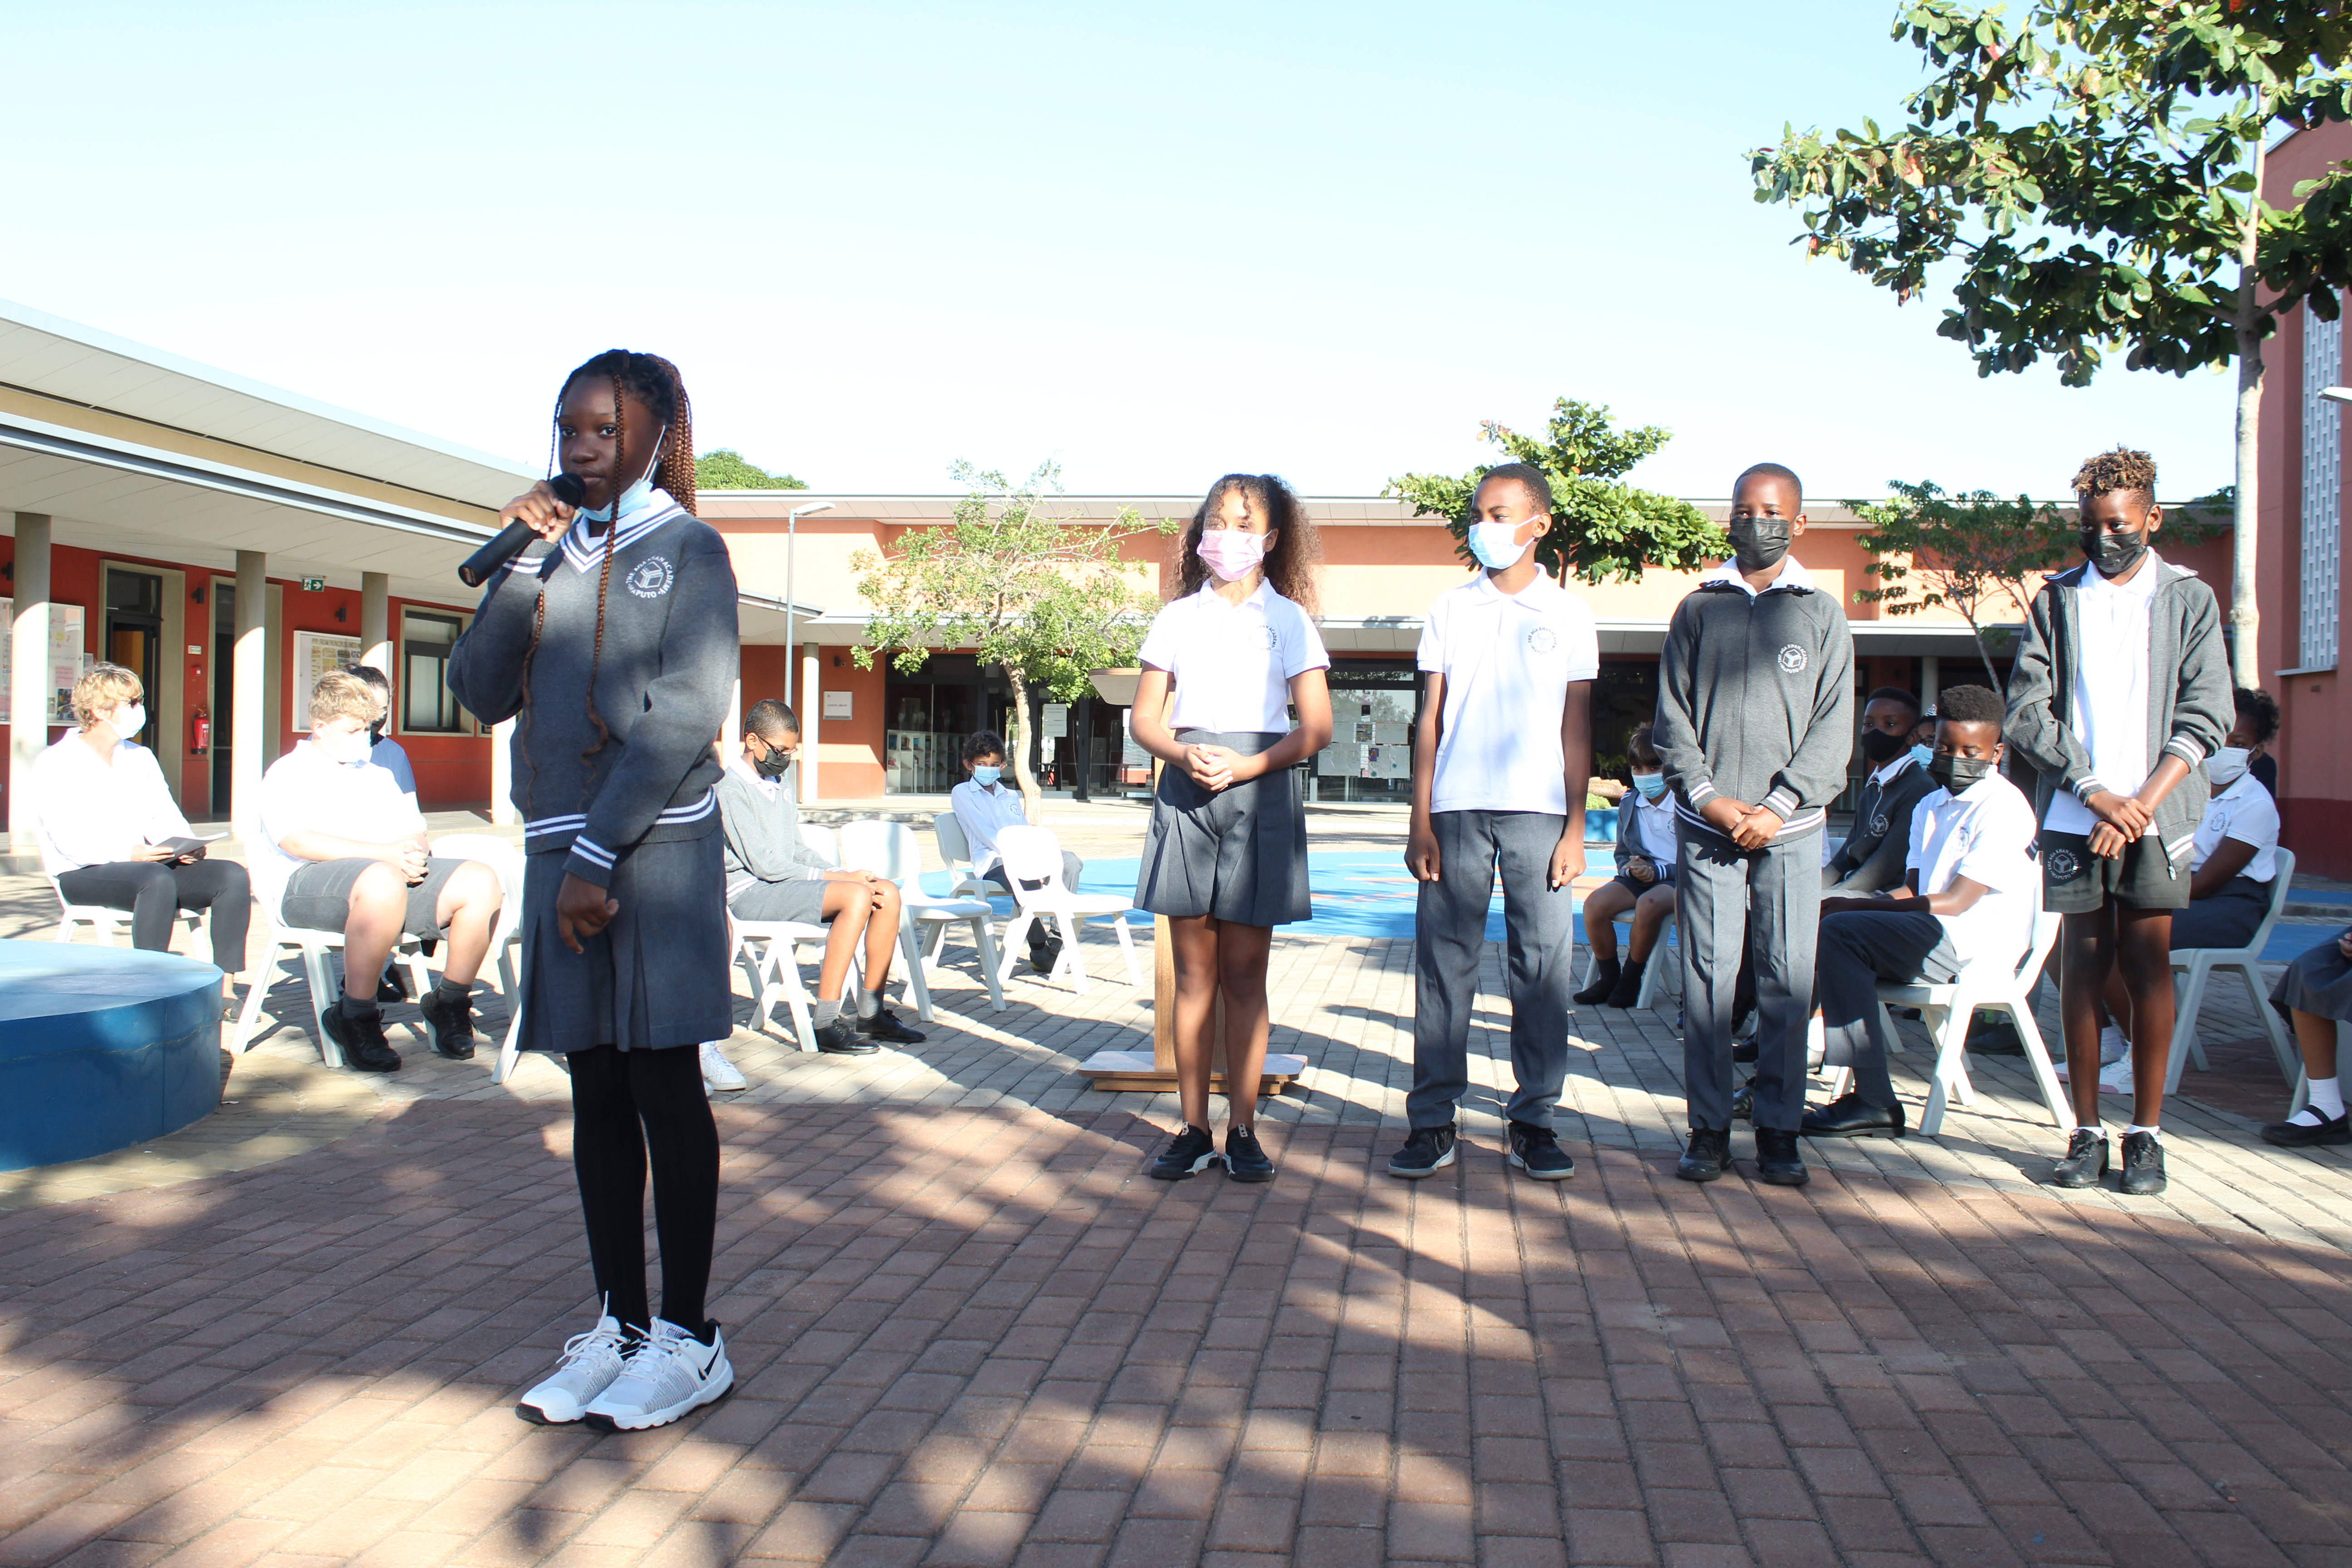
[1152, 243]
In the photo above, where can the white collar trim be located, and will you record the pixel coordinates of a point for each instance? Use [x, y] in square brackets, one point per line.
[585, 551]
[1792, 576]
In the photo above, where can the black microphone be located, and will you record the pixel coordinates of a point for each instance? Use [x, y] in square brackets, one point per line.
[510, 540]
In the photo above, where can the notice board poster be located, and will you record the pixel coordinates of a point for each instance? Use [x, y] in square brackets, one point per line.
[316, 654]
[67, 661]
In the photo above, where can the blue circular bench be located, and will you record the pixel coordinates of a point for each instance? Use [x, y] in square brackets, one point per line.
[101, 1047]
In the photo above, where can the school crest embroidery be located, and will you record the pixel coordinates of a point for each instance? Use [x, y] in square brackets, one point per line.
[1542, 640]
[2063, 865]
[1272, 641]
[1792, 660]
[1878, 826]
[651, 578]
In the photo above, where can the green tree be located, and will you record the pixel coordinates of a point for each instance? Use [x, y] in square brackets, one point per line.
[2090, 176]
[1043, 594]
[728, 470]
[1971, 552]
[1600, 527]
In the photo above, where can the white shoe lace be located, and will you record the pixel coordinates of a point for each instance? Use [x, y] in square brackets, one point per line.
[586, 1348]
[661, 1365]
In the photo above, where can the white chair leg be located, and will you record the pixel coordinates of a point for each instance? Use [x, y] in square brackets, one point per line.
[319, 975]
[240, 1037]
[1893, 1036]
[2037, 1057]
[1951, 1040]
[987, 948]
[2196, 1036]
[1127, 950]
[1073, 964]
[2283, 1045]
[910, 946]
[2184, 1026]
[1015, 930]
[509, 1049]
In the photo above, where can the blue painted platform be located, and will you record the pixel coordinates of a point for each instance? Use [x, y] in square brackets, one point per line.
[101, 1047]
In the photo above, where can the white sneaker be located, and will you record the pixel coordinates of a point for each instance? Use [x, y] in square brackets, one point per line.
[2113, 1047]
[2116, 1077]
[718, 1073]
[669, 1374]
[591, 1362]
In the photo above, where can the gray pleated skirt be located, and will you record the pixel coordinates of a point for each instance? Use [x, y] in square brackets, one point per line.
[656, 977]
[1239, 854]
[2319, 983]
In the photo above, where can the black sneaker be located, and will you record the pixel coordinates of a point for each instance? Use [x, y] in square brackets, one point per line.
[1245, 1159]
[2085, 1161]
[1604, 981]
[453, 1025]
[392, 987]
[2294, 1134]
[886, 1025]
[1537, 1152]
[1707, 1154]
[363, 1045]
[1778, 1162]
[1628, 989]
[1998, 1037]
[1427, 1149]
[840, 1039]
[1187, 1155]
[1044, 956]
[2143, 1165]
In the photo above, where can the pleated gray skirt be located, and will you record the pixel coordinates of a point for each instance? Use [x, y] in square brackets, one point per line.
[656, 977]
[1239, 854]
[2319, 983]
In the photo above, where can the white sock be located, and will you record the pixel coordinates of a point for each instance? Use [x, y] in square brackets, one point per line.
[2151, 1131]
[2112, 1045]
[1817, 1038]
[2091, 1127]
[2326, 1097]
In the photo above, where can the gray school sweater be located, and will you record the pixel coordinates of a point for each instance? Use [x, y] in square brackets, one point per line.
[663, 684]
[1756, 700]
[764, 834]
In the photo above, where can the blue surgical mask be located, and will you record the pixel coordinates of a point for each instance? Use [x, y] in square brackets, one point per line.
[985, 777]
[1922, 755]
[635, 496]
[1652, 786]
[1493, 544]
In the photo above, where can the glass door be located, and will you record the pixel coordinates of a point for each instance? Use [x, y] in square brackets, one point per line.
[135, 636]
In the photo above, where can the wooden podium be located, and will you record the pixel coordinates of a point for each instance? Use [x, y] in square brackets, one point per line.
[1156, 1069]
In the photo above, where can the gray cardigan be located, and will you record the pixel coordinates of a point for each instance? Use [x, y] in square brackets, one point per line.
[763, 835]
[2190, 706]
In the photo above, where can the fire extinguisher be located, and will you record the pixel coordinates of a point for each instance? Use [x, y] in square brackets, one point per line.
[199, 733]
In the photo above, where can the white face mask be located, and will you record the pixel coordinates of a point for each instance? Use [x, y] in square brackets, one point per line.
[635, 496]
[344, 746]
[129, 720]
[1493, 544]
[2228, 765]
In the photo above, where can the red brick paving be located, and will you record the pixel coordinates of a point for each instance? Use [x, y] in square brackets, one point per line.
[981, 1337]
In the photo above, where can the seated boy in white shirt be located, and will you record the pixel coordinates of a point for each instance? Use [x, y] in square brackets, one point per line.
[982, 804]
[1969, 894]
[343, 849]
[1645, 883]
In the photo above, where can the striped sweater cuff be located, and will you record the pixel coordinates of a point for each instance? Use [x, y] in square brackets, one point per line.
[2085, 787]
[589, 861]
[1700, 793]
[2187, 750]
[1781, 804]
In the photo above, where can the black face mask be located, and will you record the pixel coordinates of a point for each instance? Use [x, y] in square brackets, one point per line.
[1881, 747]
[1757, 542]
[774, 764]
[1956, 774]
[2113, 554]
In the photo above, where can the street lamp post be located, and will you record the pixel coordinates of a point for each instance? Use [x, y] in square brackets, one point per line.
[792, 540]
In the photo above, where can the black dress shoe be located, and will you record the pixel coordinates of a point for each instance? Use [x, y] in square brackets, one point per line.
[2085, 1161]
[1627, 991]
[886, 1026]
[2309, 1135]
[1707, 1154]
[840, 1039]
[1778, 1163]
[1744, 1053]
[1604, 981]
[362, 1040]
[2143, 1165]
[1743, 1103]
[1851, 1116]
[1045, 957]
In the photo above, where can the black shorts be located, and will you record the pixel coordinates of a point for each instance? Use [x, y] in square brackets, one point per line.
[318, 896]
[2074, 882]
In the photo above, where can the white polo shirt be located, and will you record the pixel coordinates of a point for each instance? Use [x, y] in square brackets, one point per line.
[1233, 663]
[1983, 834]
[92, 812]
[1508, 659]
[2246, 813]
[2110, 708]
[981, 811]
[306, 790]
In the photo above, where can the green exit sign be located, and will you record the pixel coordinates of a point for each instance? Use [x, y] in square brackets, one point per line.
[314, 584]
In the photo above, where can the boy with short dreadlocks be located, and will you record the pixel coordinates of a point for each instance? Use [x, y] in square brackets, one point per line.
[614, 649]
[2119, 694]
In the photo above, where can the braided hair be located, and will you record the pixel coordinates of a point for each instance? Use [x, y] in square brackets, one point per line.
[655, 382]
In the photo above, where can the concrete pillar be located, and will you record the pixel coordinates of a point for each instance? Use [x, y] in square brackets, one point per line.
[731, 732]
[502, 810]
[375, 620]
[250, 678]
[1930, 671]
[28, 678]
[811, 712]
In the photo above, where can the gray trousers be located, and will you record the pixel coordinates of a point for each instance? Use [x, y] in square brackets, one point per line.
[1768, 900]
[1858, 950]
[1450, 934]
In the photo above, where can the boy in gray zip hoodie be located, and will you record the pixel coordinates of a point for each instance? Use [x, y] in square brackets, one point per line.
[1755, 705]
[2120, 691]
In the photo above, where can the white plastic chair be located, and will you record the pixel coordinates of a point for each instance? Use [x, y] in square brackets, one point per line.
[506, 859]
[1947, 1009]
[888, 849]
[1657, 973]
[820, 840]
[2192, 965]
[102, 920]
[325, 982]
[1034, 855]
[775, 971]
[955, 854]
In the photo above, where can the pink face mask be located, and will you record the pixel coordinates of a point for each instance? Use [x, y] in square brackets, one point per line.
[1231, 554]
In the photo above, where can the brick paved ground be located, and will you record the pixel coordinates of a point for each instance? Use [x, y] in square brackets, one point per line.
[969, 1330]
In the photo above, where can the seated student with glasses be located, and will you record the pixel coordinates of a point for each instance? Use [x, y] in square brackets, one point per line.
[112, 836]
[343, 849]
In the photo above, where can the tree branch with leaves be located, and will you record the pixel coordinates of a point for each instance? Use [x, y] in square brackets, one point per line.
[1047, 596]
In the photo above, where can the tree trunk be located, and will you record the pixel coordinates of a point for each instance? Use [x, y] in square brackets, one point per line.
[1016, 742]
[1984, 655]
[2245, 616]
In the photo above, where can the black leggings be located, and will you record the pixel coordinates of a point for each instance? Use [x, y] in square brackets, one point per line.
[624, 1103]
[155, 893]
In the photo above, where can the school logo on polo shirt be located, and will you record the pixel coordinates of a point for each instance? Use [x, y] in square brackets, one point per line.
[2061, 865]
[1542, 640]
[1273, 639]
[651, 578]
[1792, 660]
